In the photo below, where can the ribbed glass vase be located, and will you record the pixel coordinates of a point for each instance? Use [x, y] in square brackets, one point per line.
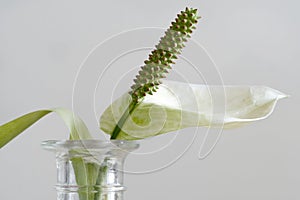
[90, 169]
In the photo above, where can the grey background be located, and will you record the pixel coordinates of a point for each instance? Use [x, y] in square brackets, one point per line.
[42, 44]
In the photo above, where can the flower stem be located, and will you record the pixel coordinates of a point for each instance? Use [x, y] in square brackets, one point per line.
[123, 119]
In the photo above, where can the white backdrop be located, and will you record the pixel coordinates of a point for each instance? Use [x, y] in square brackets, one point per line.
[42, 44]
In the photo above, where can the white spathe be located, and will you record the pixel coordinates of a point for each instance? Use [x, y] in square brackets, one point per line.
[178, 105]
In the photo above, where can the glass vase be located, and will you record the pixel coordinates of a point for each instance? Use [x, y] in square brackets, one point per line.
[90, 169]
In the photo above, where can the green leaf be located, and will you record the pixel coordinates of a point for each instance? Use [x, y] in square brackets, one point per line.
[179, 105]
[86, 173]
[77, 128]
[10, 130]
[13, 128]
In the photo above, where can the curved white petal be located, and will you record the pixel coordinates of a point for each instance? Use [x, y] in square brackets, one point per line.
[178, 105]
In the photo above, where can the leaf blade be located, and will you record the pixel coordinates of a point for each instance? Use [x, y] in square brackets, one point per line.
[12, 129]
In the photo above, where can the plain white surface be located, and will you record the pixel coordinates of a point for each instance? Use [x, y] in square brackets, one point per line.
[253, 43]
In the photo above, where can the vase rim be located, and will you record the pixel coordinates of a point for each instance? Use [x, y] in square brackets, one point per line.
[56, 145]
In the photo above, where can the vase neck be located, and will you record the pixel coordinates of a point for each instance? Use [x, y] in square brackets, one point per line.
[88, 170]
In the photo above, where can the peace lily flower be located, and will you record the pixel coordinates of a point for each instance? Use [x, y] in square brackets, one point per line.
[178, 105]
[152, 108]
